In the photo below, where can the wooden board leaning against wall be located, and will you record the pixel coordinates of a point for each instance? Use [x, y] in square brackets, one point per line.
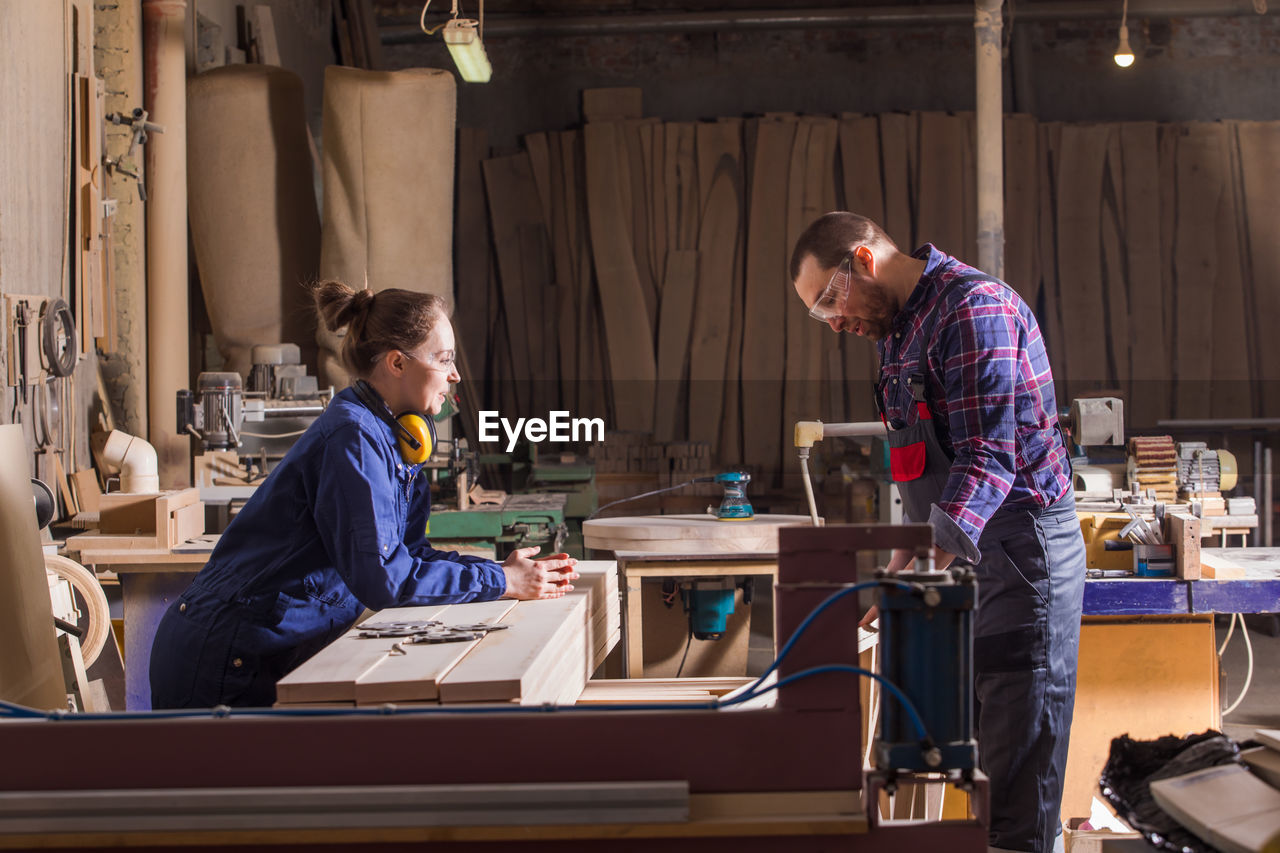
[668, 245]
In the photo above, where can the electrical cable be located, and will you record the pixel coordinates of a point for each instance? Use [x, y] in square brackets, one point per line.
[293, 434]
[1248, 678]
[1231, 629]
[685, 657]
[58, 337]
[650, 494]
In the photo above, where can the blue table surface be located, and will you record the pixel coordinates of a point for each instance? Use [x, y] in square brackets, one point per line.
[1257, 592]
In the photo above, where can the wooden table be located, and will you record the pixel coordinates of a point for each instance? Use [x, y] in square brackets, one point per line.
[149, 581]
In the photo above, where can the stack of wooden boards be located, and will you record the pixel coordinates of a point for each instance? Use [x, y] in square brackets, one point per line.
[658, 253]
[545, 654]
[1153, 467]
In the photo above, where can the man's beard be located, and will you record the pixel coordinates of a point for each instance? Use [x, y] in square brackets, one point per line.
[880, 310]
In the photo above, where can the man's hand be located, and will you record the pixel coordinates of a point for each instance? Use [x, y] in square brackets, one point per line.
[530, 580]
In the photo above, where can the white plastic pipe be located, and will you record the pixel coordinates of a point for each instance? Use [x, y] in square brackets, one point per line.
[136, 460]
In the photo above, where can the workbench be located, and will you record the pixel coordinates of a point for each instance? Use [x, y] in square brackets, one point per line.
[1148, 660]
[786, 777]
[149, 580]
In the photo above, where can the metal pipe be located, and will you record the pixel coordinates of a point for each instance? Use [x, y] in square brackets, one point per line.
[858, 428]
[1257, 488]
[1267, 508]
[987, 27]
[1218, 423]
[296, 410]
[500, 26]
[165, 82]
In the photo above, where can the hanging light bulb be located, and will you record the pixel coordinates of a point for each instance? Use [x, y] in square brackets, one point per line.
[1124, 53]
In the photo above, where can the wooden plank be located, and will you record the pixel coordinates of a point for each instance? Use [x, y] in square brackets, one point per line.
[799, 398]
[1048, 142]
[1200, 159]
[1232, 390]
[683, 208]
[940, 196]
[1083, 154]
[969, 186]
[629, 336]
[1219, 567]
[1184, 534]
[719, 149]
[1149, 366]
[1260, 193]
[612, 103]
[507, 666]
[860, 167]
[826, 358]
[894, 134]
[1115, 283]
[1021, 208]
[864, 194]
[768, 293]
[415, 675]
[541, 302]
[641, 244]
[674, 326]
[513, 202]
[732, 418]
[564, 274]
[1168, 147]
[331, 675]
[471, 267]
[653, 147]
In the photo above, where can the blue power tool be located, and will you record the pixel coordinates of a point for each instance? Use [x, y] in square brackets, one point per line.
[734, 506]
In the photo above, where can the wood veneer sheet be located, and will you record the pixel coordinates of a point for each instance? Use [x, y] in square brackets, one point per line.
[30, 666]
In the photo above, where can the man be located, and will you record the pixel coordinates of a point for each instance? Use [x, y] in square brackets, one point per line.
[967, 393]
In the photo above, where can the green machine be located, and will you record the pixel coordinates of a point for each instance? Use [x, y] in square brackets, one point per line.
[520, 521]
[572, 476]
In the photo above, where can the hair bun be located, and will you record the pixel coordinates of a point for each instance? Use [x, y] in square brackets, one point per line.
[361, 299]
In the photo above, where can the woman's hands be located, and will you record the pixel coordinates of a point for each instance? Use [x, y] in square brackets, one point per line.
[529, 579]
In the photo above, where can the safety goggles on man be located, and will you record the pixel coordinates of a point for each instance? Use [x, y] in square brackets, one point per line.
[831, 303]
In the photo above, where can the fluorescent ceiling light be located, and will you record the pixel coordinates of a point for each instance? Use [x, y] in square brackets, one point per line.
[463, 39]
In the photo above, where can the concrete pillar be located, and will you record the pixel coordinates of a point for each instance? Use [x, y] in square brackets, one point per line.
[168, 320]
[987, 26]
[118, 60]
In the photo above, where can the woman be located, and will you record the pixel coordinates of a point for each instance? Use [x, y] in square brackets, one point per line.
[338, 526]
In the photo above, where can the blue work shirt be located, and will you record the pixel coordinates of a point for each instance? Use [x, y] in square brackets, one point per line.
[338, 526]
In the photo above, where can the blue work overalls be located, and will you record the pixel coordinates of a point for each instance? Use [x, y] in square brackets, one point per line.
[340, 525]
[1026, 634]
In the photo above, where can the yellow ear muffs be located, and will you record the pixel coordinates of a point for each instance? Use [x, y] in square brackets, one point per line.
[420, 428]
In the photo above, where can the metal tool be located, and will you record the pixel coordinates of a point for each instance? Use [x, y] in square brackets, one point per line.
[430, 631]
[137, 120]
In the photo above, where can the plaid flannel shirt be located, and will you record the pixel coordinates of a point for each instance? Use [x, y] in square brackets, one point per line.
[990, 390]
